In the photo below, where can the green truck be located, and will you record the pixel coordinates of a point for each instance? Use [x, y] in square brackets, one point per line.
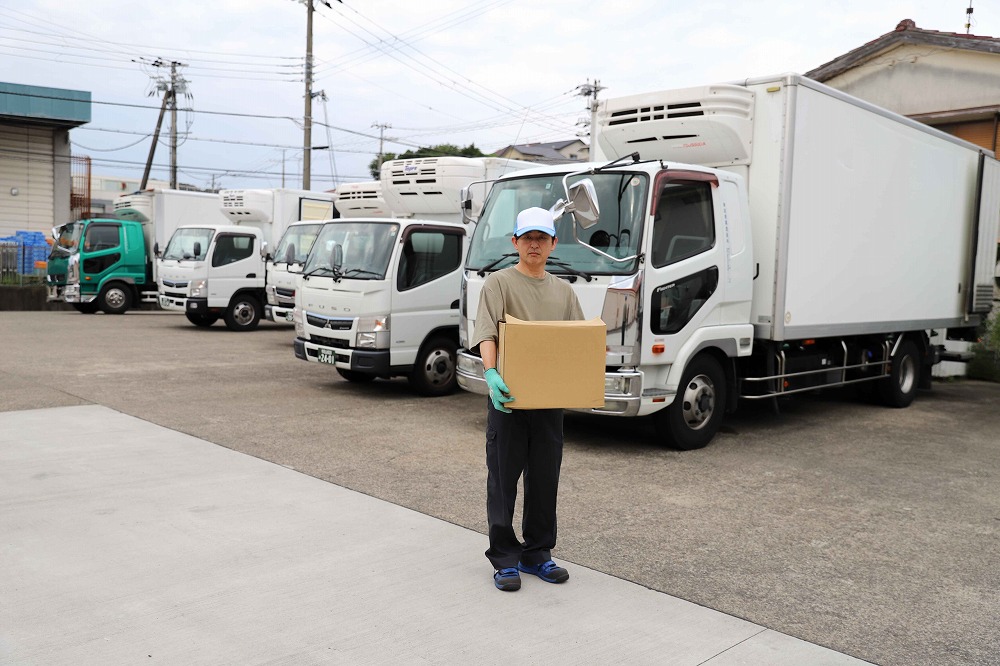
[109, 264]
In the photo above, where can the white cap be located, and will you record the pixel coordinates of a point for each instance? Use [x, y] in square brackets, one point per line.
[534, 219]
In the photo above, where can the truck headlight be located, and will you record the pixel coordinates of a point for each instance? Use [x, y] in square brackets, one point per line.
[272, 298]
[373, 332]
[199, 288]
[73, 269]
[300, 328]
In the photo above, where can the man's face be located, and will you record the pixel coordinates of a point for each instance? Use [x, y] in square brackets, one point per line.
[534, 247]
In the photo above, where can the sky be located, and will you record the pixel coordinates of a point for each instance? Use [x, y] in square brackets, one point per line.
[404, 74]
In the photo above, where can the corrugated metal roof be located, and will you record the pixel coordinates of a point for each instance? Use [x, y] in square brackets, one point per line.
[44, 106]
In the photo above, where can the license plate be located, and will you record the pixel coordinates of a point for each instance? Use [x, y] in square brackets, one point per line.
[290, 316]
[164, 302]
[326, 356]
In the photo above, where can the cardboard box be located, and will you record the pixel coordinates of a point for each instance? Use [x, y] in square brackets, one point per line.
[549, 364]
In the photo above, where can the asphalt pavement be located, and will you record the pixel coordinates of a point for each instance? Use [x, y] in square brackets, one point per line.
[869, 531]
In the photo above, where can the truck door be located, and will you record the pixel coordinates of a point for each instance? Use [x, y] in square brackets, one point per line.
[684, 260]
[426, 289]
[235, 264]
[102, 254]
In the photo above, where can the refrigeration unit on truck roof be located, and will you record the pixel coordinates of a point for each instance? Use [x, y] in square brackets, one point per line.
[361, 200]
[432, 185]
[248, 205]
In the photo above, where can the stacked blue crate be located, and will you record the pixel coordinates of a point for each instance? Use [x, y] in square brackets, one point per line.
[33, 247]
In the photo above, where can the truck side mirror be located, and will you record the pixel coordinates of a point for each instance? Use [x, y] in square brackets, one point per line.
[465, 202]
[156, 250]
[197, 249]
[580, 202]
[586, 211]
[263, 251]
[336, 257]
[290, 253]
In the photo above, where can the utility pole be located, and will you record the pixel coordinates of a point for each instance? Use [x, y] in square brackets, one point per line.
[307, 120]
[173, 124]
[590, 90]
[382, 127]
[169, 88]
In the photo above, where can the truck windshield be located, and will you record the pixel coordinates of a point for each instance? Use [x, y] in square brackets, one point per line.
[621, 196]
[68, 241]
[182, 244]
[365, 246]
[294, 246]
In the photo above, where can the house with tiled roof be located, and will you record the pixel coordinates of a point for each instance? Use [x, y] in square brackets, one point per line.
[945, 79]
[556, 152]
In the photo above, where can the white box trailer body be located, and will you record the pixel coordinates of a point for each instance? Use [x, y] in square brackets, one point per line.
[161, 211]
[833, 181]
[362, 200]
[399, 317]
[814, 238]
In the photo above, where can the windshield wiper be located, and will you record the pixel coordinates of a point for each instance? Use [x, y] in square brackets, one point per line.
[482, 271]
[360, 271]
[569, 269]
[336, 274]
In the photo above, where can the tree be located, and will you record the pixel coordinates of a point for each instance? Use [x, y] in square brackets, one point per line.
[440, 150]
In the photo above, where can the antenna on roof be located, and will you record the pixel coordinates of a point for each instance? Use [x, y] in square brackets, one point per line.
[968, 17]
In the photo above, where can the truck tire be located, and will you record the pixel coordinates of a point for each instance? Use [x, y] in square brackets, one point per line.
[355, 376]
[692, 419]
[86, 308]
[900, 387]
[199, 319]
[433, 372]
[243, 313]
[115, 298]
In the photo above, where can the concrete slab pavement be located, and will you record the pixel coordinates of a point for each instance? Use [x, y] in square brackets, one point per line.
[123, 541]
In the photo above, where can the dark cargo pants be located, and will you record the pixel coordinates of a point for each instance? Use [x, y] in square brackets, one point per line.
[528, 441]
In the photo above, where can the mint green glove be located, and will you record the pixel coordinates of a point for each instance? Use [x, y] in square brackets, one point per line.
[499, 393]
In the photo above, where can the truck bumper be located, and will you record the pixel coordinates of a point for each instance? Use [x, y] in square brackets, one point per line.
[369, 361]
[622, 389]
[72, 294]
[279, 313]
[174, 303]
[55, 293]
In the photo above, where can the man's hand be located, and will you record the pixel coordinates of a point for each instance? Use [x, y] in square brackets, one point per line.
[499, 393]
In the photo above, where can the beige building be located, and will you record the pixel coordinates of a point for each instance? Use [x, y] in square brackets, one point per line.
[555, 152]
[945, 79]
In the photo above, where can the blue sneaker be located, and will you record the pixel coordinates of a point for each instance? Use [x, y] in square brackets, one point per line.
[507, 580]
[549, 571]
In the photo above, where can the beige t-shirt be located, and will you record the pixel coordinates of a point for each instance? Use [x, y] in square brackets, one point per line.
[510, 292]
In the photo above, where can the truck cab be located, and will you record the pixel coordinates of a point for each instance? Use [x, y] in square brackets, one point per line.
[379, 298]
[284, 266]
[213, 272]
[99, 264]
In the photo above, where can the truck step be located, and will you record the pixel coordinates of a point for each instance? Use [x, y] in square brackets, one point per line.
[957, 356]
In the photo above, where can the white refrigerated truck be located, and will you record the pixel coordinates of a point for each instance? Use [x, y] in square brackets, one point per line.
[283, 269]
[213, 271]
[753, 241]
[378, 297]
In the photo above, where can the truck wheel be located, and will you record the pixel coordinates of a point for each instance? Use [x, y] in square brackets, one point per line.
[692, 419]
[243, 313]
[900, 387]
[355, 376]
[201, 319]
[115, 298]
[434, 371]
[86, 308]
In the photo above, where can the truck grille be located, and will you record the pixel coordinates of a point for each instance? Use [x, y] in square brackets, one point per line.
[175, 285]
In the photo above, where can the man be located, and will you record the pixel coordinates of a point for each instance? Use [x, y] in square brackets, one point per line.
[528, 441]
